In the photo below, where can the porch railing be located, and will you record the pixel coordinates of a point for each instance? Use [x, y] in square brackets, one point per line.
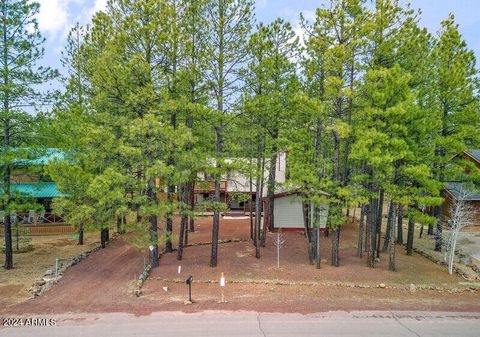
[39, 219]
[207, 186]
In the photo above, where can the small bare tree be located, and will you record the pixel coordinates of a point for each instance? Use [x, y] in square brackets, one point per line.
[279, 241]
[462, 214]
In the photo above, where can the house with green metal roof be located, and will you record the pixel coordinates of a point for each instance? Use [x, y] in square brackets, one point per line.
[37, 190]
[28, 176]
[39, 158]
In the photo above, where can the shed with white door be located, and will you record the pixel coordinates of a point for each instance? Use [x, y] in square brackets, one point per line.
[288, 212]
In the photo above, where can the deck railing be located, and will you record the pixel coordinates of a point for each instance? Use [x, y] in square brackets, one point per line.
[38, 219]
[209, 186]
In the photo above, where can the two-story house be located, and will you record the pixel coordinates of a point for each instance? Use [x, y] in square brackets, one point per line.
[238, 181]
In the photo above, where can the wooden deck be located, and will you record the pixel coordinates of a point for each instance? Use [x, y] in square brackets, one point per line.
[50, 224]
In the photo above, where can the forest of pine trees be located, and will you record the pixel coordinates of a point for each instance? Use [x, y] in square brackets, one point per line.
[369, 106]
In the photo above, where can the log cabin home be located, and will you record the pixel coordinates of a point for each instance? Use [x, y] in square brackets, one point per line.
[454, 188]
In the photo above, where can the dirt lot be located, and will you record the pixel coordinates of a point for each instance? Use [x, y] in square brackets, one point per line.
[31, 265]
[298, 286]
[237, 260]
[104, 282]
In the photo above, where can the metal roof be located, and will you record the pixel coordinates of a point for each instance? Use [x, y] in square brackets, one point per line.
[43, 157]
[475, 153]
[456, 187]
[37, 190]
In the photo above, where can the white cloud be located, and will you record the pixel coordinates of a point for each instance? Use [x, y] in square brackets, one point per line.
[57, 16]
[100, 5]
[53, 16]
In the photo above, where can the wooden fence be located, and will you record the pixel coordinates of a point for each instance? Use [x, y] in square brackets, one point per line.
[43, 229]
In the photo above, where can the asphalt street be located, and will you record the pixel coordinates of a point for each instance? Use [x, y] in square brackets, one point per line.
[251, 324]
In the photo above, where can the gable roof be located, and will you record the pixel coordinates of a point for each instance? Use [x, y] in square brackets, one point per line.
[454, 188]
[474, 153]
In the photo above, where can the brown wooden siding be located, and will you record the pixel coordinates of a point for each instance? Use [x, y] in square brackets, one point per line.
[448, 204]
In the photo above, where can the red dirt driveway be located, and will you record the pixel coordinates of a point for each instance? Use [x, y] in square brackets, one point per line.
[103, 280]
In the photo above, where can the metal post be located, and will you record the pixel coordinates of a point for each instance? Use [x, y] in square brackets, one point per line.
[190, 292]
[56, 267]
[189, 281]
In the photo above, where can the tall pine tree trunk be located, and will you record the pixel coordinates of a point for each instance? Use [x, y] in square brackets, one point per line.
[192, 209]
[316, 225]
[392, 247]
[104, 236]
[80, 234]
[360, 231]
[188, 205]
[181, 237]
[373, 232]
[6, 148]
[270, 192]
[169, 226]
[336, 207]
[250, 211]
[171, 189]
[185, 239]
[259, 205]
[216, 212]
[317, 245]
[400, 225]
[389, 226]
[380, 220]
[410, 235]
[336, 247]
[307, 225]
[183, 223]
[8, 243]
[368, 216]
[153, 230]
[430, 225]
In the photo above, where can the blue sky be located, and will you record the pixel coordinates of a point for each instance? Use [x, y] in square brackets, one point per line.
[57, 16]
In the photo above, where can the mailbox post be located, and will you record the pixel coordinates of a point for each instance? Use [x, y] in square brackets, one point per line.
[189, 281]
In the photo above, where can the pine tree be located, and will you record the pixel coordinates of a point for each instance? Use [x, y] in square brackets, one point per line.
[127, 133]
[74, 105]
[230, 23]
[332, 67]
[455, 101]
[270, 87]
[21, 50]
[195, 27]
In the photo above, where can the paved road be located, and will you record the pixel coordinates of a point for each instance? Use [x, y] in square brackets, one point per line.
[252, 324]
